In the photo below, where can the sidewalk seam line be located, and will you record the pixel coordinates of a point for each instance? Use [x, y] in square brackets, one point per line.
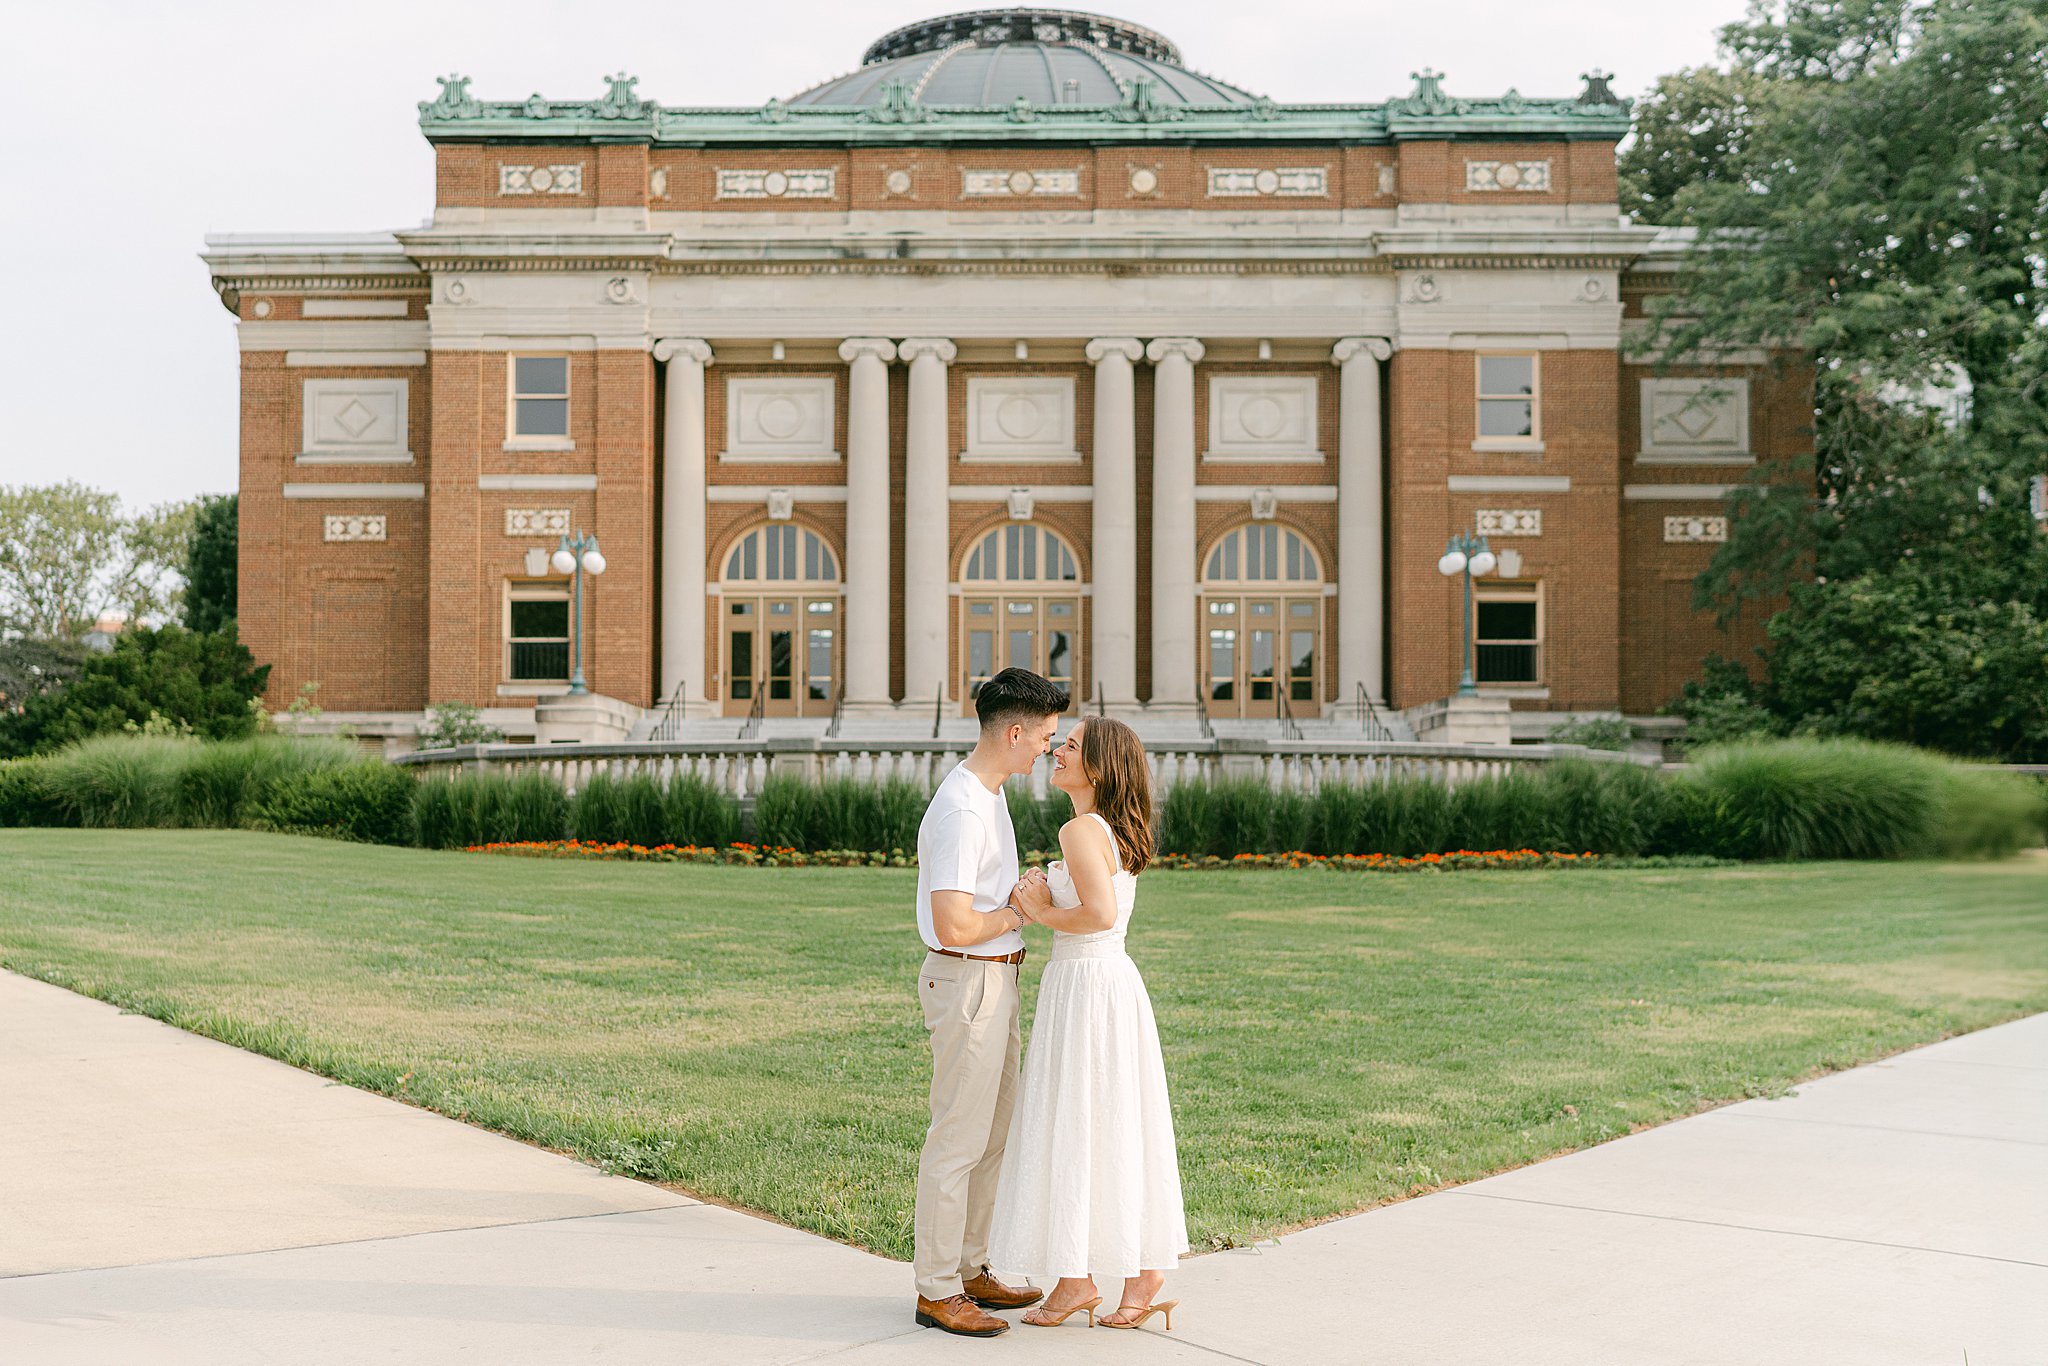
[343, 1242]
[1884, 1128]
[1749, 1228]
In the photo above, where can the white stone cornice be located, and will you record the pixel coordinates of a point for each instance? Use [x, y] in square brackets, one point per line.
[1100, 349]
[1159, 348]
[881, 348]
[692, 348]
[1379, 348]
[910, 348]
[1673, 493]
[408, 491]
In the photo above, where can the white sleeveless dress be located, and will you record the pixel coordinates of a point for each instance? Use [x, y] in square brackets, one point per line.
[1091, 1182]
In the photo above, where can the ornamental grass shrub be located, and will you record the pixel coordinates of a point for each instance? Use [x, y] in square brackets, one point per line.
[24, 799]
[371, 803]
[694, 812]
[128, 781]
[1036, 820]
[840, 813]
[456, 812]
[534, 809]
[610, 810]
[221, 782]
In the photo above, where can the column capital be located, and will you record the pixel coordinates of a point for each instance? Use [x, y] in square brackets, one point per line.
[1162, 347]
[910, 348]
[692, 348]
[881, 348]
[1130, 348]
[1379, 348]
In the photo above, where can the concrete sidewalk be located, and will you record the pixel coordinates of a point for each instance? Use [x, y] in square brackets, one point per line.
[167, 1199]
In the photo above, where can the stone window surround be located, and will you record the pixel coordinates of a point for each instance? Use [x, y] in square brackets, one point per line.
[1525, 445]
[1523, 590]
[513, 440]
[522, 589]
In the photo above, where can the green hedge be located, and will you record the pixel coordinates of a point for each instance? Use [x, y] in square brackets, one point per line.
[1787, 799]
[1781, 799]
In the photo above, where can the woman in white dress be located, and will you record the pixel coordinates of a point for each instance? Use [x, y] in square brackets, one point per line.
[1091, 1184]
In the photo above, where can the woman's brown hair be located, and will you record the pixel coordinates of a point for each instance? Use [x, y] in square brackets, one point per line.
[1114, 760]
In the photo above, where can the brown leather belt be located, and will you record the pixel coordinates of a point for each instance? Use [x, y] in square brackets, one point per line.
[1016, 957]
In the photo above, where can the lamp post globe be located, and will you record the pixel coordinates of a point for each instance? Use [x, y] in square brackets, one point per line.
[1451, 564]
[1482, 564]
[576, 556]
[1466, 554]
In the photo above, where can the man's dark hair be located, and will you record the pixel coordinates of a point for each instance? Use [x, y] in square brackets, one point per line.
[1017, 696]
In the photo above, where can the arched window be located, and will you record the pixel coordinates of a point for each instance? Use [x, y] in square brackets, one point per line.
[1262, 616]
[781, 553]
[1020, 606]
[1262, 552]
[1020, 553]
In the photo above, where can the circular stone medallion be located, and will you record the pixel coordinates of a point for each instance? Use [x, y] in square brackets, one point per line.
[1508, 175]
[261, 308]
[541, 179]
[779, 418]
[775, 183]
[1020, 182]
[1266, 181]
[1262, 417]
[897, 182]
[1019, 417]
[1144, 180]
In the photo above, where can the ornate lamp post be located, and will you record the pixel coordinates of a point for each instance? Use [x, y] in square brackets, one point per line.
[1466, 554]
[578, 555]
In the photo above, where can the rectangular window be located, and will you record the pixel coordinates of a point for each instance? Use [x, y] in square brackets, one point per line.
[1507, 631]
[1510, 416]
[537, 636]
[540, 397]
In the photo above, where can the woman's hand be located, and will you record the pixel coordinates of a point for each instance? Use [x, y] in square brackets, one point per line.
[1032, 895]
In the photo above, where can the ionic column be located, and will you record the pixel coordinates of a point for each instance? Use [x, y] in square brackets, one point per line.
[1361, 554]
[867, 519]
[682, 523]
[926, 518]
[1173, 519]
[1115, 529]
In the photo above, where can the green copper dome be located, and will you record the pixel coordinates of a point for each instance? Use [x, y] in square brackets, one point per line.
[988, 59]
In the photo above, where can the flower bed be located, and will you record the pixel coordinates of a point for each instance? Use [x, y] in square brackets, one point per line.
[782, 856]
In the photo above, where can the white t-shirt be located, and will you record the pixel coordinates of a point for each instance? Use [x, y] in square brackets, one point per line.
[967, 844]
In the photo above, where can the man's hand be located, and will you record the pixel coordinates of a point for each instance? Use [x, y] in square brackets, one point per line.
[1032, 895]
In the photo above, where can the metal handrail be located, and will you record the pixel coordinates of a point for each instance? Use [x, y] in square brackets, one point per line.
[1369, 717]
[670, 723]
[838, 706]
[1289, 729]
[751, 727]
[1100, 709]
[1202, 716]
[938, 711]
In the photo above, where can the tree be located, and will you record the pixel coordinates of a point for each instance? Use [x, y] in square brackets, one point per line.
[211, 564]
[149, 585]
[169, 676]
[29, 668]
[60, 547]
[1868, 180]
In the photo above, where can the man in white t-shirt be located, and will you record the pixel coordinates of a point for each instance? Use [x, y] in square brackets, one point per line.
[966, 877]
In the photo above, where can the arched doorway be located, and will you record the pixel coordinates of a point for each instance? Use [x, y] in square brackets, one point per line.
[779, 609]
[1262, 618]
[1020, 607]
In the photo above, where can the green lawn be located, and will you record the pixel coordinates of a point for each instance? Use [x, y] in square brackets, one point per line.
[1333, 1040]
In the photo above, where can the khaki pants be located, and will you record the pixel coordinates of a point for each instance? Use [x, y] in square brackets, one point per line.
[970, 1009]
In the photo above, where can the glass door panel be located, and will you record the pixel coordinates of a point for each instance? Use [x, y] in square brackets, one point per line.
[1261, 642]
[1061, 631]
[740, 627]
[820, 614]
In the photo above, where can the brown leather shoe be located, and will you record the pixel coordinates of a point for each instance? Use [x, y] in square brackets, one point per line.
[957, 1314]
[990, 1293]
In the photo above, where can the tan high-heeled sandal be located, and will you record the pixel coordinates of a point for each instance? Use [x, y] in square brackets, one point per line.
[1143, 1311]
[1087, 1306]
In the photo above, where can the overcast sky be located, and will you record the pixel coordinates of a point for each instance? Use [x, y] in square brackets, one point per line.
[139, 126]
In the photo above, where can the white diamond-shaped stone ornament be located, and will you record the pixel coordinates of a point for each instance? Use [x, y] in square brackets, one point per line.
[354, 418]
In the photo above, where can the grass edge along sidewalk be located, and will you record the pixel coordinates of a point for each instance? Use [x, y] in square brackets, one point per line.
[1334, 1043]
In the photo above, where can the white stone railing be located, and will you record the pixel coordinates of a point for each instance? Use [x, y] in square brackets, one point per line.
[741, 769]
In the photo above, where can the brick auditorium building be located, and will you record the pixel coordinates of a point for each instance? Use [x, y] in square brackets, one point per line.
[1021, 344]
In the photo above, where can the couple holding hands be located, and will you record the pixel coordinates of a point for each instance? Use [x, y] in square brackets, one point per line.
[1068, 1173]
